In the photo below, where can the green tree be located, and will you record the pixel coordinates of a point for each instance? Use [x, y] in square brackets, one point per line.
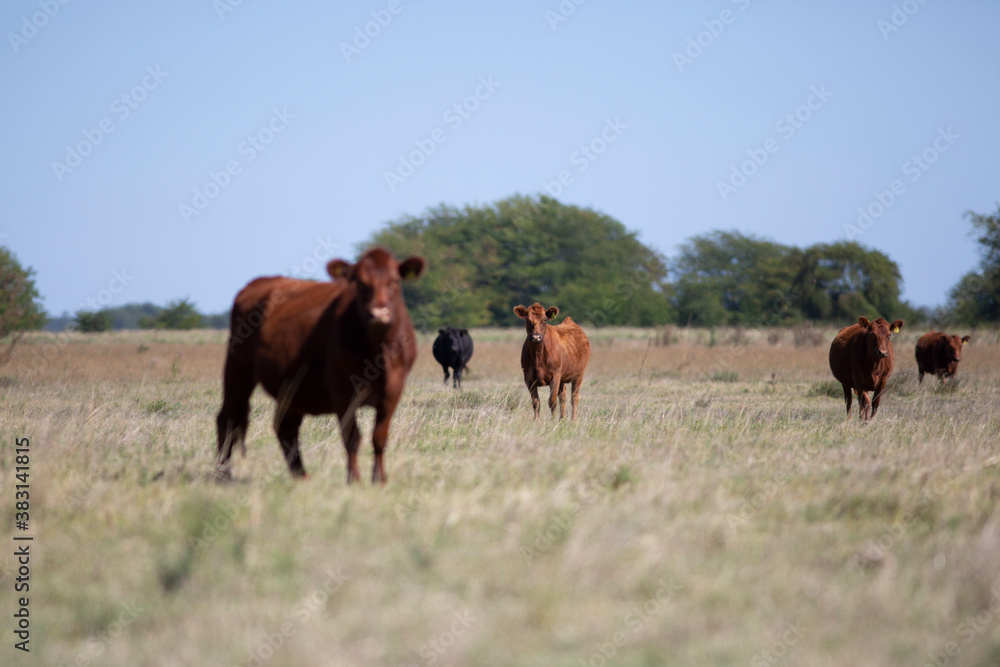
[484, 260]
[976, 297]
[88, 321]
[731, 278]
[20, 309]
[840, 281]
[179, 314]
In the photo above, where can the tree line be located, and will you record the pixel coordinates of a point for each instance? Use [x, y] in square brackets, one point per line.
[486, 259]
[525, 249]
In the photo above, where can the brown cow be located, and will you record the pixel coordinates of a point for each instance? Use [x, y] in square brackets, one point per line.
[320, 348]
[552, 355]
[939, 353]
[861, 358]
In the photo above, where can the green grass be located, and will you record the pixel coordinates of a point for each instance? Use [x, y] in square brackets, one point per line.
[715, 508]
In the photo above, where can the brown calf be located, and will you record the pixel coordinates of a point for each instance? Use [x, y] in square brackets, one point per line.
[861, 358]
[320, 348]
[939, 353]
[552, 355]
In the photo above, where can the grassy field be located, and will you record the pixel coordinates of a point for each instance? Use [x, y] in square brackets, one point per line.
[711, 506]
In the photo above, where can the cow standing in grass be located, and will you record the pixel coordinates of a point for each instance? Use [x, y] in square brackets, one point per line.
[453, 348]
[861, 359]
[939, 353]
[320, 348]
[553, 355]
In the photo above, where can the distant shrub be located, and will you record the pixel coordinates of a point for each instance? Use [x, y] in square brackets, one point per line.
[665, 336]
[805, 335]
[829, 388]
[88, 321]
[739, 337]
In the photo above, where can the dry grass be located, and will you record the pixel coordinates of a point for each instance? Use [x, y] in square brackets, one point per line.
[710, 505]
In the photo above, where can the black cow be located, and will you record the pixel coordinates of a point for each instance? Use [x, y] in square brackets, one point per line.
[453, 347]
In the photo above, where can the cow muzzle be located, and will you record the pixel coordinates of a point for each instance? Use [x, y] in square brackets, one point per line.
[536, 337]
[381, 314]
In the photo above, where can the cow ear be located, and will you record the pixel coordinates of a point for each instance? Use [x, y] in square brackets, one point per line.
[896, 326]
[863, 321]
[551, 312]
[464, 331]
[412, 267]
[441, 331]
[966, 339]
[521, 311]
[338, 268]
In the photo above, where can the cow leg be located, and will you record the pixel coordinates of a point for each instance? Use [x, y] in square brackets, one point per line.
[288, 436]
[553, 394]
[920, 378]
[863, 404]
[848, 397]
[380, 436]
[446, 374]
[575, 397]
[231, 423]
[458, 377]
[533, 390]
[562, 400]
[877, 396]
[352, 439]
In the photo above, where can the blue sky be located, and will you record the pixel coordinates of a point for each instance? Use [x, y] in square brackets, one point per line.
[154, 151]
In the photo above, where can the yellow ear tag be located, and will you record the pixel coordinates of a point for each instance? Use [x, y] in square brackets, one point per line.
[895, 330]
[963, 342]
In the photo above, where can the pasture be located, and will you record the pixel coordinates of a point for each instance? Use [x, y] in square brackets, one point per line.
[711, 505]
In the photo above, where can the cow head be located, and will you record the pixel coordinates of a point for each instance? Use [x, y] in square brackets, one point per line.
[953, 348]
[877, 336]
[452, 338]
[535, 320]
[377, 275]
